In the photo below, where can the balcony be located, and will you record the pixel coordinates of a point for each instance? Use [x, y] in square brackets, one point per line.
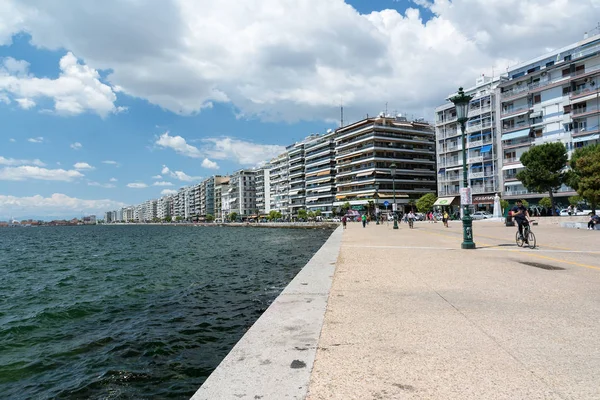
[513, 112]
[515, 127]
[474, 175]
[478, 127]
[482, 189]
[473, 160]
[584, 111]
[475, 143]
[477, 111]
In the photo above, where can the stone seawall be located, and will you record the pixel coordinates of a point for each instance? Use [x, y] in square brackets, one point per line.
[274, 359]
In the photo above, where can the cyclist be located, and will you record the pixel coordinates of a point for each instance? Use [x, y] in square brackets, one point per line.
[521, 216]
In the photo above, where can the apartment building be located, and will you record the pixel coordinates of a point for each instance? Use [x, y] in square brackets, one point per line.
[262, 184]
[297, 196]
[319, 172]
[222, 198]
[242, 194]
[552, 98]
[149, 210]
[366, 149]
[279, 178]
[163, 207]
[481, 143]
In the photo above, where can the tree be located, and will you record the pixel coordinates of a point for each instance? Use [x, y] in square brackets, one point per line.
[575, 199]
[545, 202]
[232, 216]
[584, 176]
[302, 214]
[504, 204]
[311, 214]
[273, 215]
[210, 218]
[425, 203]
[545, 169]
[178, 218]
[345, 208]
[318, 213]
[168, 218]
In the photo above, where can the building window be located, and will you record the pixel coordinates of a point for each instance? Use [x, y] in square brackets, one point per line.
[537, 99]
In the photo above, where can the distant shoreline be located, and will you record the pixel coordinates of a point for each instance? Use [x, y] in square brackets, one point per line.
[292, 225]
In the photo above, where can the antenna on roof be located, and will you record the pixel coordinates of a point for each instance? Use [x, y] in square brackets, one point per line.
[341, 113]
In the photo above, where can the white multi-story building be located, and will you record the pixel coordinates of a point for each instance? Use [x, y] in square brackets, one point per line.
[319, 172]
[482, 147]
[552, 98]
[365, 152]
[128, 214]
[262, 184]
[280, 184]
[163, 207]
[108, 217]
[222, 198]
[242, 194]
[297, 195]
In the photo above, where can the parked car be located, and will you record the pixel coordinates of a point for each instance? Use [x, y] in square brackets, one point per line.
[481, 215]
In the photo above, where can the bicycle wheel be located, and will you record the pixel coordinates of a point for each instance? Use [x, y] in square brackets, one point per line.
[519, 239]
[531, 240]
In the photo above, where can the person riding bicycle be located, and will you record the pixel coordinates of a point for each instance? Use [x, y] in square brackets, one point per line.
[521, 216]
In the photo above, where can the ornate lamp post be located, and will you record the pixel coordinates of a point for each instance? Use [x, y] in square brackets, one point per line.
[461, 101]
[394, 208]
[376, 202]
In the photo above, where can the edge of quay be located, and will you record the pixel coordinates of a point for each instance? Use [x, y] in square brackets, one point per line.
[274, 359]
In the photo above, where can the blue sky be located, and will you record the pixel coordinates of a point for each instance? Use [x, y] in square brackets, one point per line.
[93, 112]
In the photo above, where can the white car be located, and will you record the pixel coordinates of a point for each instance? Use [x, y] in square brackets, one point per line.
[481, 215]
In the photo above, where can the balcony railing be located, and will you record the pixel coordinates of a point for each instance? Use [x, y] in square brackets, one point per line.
[475, 143]
[511, 111]
[478, 127]
[584, 110]
[476, 159]
[515, 127]
[473, 175]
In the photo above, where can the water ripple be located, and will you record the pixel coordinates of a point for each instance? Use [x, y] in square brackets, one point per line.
[133, 312]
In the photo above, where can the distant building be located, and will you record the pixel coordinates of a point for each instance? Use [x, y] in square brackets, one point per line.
[319, 173]
[366, 149]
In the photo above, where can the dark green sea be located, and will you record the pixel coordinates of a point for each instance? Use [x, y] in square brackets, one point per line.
[134, 312]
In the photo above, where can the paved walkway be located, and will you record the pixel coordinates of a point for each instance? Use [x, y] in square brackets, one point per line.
[412, 316]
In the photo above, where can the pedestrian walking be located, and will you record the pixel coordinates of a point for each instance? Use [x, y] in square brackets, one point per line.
[364, 220]
[445, 218]
[344, 220]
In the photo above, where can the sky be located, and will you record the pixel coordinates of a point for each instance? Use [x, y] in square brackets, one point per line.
[108, 104]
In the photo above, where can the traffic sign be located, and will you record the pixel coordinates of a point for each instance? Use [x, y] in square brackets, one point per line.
[386, 203]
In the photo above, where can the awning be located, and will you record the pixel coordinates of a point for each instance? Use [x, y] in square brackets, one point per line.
[444, 201]
[512, 166]
[454, 168]
[585, 138]
[486, 148]
[442, 170]
[324, 173]
[321, 180]
[364, 174]
[535, 114]
[340, 197]
[517, 134]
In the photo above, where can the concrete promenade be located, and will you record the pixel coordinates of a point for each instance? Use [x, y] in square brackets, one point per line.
[412, 316]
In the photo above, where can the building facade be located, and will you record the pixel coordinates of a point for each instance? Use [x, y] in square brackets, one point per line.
[319, 172]
[552, 98]
[280, 188]
[482, 145]
[366, 149]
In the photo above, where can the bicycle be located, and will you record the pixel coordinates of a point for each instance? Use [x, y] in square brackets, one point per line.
[528, 236]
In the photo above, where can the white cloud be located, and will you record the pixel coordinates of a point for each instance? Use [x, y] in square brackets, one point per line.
[38, 139]
[113, 179]
[12, 140]
[157, 177]
[76, 146]
[178, 144]
[206, 163]
[82, 166]
[78, 88]
[241, 151]
[25, 104]
[14, 162]
[162, 184]
[137, 185]
[167, 192]
[104, 185]
[110, 162]
[56, 205]
[294, 59]
[30, 172]
[180, 175]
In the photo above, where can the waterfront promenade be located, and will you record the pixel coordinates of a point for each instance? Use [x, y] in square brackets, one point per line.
[412, 316]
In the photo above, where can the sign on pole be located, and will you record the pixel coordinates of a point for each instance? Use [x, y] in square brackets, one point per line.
[465, 196]
[386, 203]
[394, 207]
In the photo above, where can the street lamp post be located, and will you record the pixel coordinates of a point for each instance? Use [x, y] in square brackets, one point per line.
[461, 101]
[394, 208]
[376, 202]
